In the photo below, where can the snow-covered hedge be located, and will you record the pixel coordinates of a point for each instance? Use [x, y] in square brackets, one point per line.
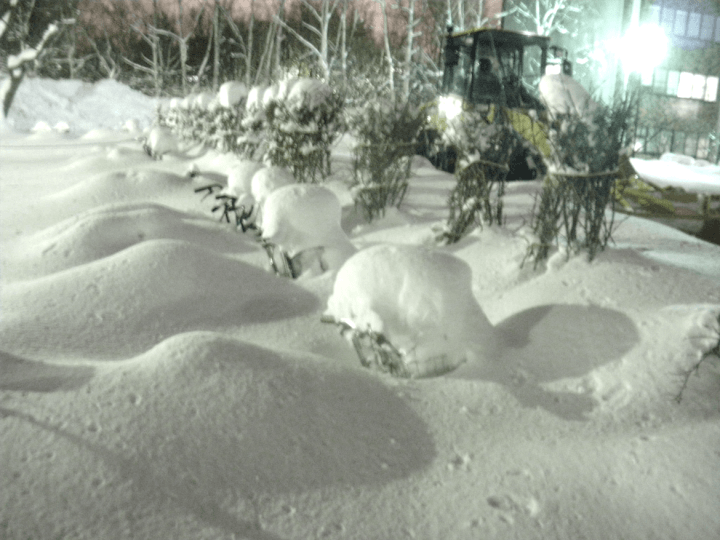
[206, 120]
[291, 124]
[387, 136]
[484, 151]
[303, 118]
[587, 150]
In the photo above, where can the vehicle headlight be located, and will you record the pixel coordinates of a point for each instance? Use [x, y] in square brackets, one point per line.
[449, 106]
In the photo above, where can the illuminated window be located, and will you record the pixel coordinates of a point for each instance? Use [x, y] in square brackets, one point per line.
[693, 27]
[680, 23]
[666, 20]
[660, 80]
[685, 87]
[698, 89]
[646, 77]
[708, 26]
[673, 82]
[711, 89]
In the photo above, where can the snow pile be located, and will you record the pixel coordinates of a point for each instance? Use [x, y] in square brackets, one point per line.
[419, 299]
[692, 175]
[299, 217]
[82, 106]
[564, 95]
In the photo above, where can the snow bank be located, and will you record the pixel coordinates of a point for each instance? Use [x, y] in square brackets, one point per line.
[420, 299]
[82, 106]
[692, 175]
[137, 296]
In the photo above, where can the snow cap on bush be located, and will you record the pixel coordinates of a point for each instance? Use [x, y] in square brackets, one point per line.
[267, 180]
[232, 93]
[203, 100]
[272, 93]
[419, 299]
[240, 177]
[254, 98]
[303, 216]
[160, 141]
[308, 94]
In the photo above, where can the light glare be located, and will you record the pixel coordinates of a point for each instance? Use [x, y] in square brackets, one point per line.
[643, 47]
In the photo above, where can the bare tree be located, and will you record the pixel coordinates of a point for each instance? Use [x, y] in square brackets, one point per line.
[245, 44]
[15, 33]
[547, 17]
[322, 15]
[463, 14]
[388, 50]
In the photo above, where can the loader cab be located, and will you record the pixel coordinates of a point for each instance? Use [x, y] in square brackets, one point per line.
[492, 66]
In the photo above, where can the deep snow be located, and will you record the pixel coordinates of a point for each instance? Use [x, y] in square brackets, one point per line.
[156, 381]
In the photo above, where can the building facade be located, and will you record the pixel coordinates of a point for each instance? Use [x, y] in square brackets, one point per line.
[679, 110]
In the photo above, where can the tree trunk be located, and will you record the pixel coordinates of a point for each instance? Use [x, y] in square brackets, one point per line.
[9, 87]
[388, 52]
[250, 39]
[217, 37]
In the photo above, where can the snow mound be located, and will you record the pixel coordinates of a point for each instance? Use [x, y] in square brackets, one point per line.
[112, 187]
[128, 301]
[79, 105]
[161, 141]
[241, 175]
[419, 299]
[103, 231]
[564, 95]
[249, 443]
[267, 180]
[231, 93]
[304, 216]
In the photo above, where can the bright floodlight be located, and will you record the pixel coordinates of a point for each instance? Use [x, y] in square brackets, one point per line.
[643, 48]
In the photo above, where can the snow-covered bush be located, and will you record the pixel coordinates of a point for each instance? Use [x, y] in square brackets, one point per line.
[713, 349]
[159, 141]
[302, 120]
[386, 138]
[303, 222]
[410, 310]
[586, 155]
[291, 124]
[484, 150]
[214, 121]
[268, 179]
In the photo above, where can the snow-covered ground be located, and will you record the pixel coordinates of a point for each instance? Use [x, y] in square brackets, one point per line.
[157, 381]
